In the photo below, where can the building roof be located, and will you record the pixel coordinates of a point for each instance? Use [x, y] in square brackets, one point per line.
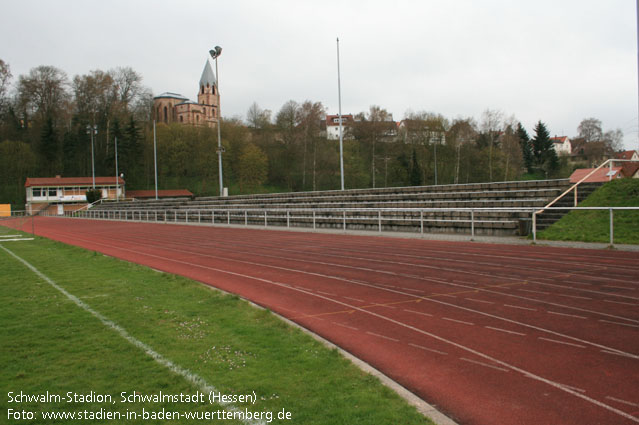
[630, 168]
[333, 120]
[71, 181]
[625, 155]
[208, 77]
[601, 175]
[170, 193]
[561, 139]
[171, 96]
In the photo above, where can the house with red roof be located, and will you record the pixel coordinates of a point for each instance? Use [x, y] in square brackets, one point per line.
[562, 145]
[630, 169]
[58, 194]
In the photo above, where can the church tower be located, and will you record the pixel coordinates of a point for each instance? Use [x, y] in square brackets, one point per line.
[208, 95]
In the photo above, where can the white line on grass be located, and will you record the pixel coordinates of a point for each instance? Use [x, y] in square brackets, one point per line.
[160, 359]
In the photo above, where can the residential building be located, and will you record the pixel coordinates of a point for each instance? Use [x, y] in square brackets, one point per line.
[55, 195]
[630, 169]
[332, 126]
[562, 145]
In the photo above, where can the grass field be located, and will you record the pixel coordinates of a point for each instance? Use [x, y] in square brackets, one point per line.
[594, 226]
[48, 343]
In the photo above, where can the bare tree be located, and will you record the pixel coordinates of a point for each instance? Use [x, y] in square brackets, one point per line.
[44, 92]
[491, 126]
[462, 132]
[310, 115]
[590, 130]
[5, 77]
[258, 118]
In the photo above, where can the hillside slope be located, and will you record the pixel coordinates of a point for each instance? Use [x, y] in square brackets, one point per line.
[594, 226]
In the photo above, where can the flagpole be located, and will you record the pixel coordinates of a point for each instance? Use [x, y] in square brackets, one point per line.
[155, 161]
[341, 135]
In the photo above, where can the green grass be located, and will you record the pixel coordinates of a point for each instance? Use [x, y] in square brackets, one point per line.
[594, 226]
[48, 343]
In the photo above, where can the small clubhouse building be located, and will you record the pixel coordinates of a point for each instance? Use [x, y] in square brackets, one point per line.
[55, 195]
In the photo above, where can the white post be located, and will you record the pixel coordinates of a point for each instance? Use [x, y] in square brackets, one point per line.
[117, 179]
[155, 161]
[341, 135]
[612, 229]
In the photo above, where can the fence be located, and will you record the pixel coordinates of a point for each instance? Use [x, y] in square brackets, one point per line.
[457, 220]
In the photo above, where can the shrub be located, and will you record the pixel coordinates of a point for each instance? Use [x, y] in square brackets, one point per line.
[93, 195]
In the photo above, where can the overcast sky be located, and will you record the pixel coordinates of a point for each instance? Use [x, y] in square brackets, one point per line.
[558, 61]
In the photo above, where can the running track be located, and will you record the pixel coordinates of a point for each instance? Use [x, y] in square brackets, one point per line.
[490, 334]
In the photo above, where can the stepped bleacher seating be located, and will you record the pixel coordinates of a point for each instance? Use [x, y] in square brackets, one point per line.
[431, 207]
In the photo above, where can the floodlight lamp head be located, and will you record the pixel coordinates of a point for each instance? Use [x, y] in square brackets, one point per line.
[217, 51]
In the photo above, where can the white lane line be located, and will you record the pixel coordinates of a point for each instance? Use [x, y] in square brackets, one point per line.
[629, 403]
[574, 296]
[412, 290]
[457, 321]
[620, 287]
[519, 307]
[382, 336]
[345, 326]
[326, 293]
[480, 301]
[534, 292]
[427, 349]
[418, 312]
[189, 376]
[618, 323]
[484, 364]
[616, 354]
[574, 388]
[620, 302]
[562, 342]
[504, 330]
[566, 314]
[353, 299]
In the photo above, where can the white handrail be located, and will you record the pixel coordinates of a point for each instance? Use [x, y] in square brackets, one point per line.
[574, 187]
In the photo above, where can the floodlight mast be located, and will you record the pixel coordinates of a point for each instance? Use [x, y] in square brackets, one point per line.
[215, 53]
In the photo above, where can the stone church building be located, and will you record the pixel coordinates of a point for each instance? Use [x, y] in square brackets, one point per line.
[172, 107]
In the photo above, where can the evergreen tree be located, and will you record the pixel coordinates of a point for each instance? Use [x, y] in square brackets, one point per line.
[130, 152]
[49, 147]
[545, 157]
[415, 171]
[526, 148]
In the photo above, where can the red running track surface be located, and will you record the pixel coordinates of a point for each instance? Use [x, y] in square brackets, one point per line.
[490, 334]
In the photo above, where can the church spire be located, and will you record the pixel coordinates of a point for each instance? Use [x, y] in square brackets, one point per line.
[208, 77]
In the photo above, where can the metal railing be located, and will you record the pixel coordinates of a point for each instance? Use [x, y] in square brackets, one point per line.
[574, 187]
[420, 220]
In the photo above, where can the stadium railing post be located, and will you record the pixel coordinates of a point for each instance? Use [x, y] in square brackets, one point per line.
[612, 228]
[472, 224]
[379, 220]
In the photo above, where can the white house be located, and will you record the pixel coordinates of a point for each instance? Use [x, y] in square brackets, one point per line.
[332, 126]
[562, 145]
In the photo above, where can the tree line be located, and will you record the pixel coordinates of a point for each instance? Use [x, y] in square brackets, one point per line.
[47, 122]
